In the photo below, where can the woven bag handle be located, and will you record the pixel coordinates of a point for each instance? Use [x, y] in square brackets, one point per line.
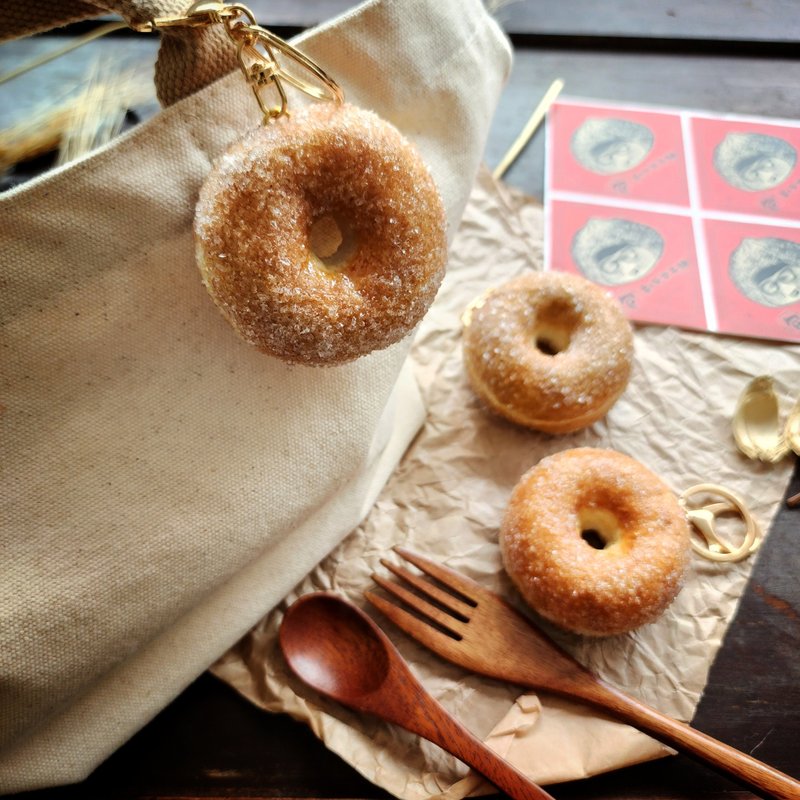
[188, 58]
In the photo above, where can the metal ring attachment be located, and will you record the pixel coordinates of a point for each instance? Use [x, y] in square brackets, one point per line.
[703, 519]
[256, 50]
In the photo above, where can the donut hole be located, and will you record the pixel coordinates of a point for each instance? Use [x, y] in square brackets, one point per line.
[552, 341]
[332, 241]
[599, 528]
[555, 326]
[593, 539]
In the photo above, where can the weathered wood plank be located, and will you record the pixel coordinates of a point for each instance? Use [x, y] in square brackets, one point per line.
[47, 84]
[736, 85]
[736, 20]
[733, 20]
[749, 20]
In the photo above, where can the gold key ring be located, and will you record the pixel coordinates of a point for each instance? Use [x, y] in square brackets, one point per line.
[703, 519]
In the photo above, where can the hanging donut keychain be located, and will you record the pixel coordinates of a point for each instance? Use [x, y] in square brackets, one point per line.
[320, 235]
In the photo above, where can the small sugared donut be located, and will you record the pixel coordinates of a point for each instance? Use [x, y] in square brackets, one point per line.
[594, 541]
[548, 350]
[321, 236]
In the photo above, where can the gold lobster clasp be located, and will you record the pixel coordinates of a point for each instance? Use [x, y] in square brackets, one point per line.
[199, 15]
[267, 61]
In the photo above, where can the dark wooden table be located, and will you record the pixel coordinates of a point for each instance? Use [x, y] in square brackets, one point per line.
[738, 56]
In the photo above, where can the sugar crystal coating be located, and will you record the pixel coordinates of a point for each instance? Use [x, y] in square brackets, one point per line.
[595, 591]
[558, 392]
[255, 249]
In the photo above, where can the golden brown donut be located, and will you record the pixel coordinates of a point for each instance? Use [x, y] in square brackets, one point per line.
[321, 236]
[548, 350]
[594, 541]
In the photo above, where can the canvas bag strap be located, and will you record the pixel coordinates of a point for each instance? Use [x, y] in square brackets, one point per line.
[25, 19]
[188, 58]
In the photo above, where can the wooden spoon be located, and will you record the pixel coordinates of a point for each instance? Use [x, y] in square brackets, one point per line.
[338, 650]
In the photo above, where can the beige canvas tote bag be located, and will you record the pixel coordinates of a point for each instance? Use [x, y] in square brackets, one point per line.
[164, 485]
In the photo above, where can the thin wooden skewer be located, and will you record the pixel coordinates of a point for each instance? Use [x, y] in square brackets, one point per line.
[794, 501]
[48, 57]
[530, 127]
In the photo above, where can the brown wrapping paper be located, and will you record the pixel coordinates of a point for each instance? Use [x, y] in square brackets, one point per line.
[446, 499]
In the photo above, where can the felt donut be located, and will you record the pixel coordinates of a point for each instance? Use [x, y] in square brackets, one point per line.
[594, 541]
[321, 236]
[548, 350]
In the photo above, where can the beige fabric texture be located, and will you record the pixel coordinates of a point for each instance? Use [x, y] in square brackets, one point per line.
[25, 19]
[164, 484]
[446, 500]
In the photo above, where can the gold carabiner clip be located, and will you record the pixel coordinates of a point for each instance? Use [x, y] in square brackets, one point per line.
[262, 71]
[257, 51]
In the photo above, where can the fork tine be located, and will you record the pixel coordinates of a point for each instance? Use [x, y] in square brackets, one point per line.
[470, 590]
[414, 627]
[449, 601]
[420, 605]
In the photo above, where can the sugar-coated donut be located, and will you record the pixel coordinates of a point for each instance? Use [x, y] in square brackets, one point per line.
[321, 236]
[594, 541]
[548, 350]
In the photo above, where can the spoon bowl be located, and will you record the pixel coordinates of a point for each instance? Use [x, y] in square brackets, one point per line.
[346, 662]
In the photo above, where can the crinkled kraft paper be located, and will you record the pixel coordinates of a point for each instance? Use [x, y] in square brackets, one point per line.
[446, 500]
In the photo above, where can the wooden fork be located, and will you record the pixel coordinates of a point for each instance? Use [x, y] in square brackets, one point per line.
[481, 632]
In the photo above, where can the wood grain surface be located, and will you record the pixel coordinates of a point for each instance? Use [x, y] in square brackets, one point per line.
[489, 636]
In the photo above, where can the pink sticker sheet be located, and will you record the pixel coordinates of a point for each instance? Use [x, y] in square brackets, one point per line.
[688, 218]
